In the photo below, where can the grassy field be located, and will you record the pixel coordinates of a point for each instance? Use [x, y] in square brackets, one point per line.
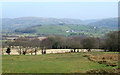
[61, 30]
[50, 63]
[79, 29]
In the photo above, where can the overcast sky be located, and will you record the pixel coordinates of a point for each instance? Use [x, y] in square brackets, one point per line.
[76, 10]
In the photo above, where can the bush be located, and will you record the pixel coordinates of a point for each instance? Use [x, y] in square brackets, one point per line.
[8, 51]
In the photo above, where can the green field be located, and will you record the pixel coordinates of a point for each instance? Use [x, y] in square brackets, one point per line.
[49, 63]
[78, 30]
[61, 30]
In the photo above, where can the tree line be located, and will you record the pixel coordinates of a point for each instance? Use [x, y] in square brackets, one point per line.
[109, 43]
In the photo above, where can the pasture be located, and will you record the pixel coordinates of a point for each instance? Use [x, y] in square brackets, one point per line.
[51, 63]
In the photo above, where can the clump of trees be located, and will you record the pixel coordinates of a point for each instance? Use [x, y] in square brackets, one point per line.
[112, 41]
[109, 43]
[90, 43]
[27, 30]
[24, 45]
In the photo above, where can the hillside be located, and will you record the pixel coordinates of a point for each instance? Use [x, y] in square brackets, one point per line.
[108, 23]
[22, 22]
[64, 30]
[32, 21]
[54, 26]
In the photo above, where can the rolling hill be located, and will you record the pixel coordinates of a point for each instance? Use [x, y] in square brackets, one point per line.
[23, 22]
[64, 30]
[54, 26]
[108, 23]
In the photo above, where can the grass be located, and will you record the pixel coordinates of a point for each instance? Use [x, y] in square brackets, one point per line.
[49, 63]
[79, 30]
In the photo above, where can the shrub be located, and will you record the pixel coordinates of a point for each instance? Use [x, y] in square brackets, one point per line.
[8, 51]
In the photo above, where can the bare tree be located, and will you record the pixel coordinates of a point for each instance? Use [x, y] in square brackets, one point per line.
[89, 43]
[112, 41]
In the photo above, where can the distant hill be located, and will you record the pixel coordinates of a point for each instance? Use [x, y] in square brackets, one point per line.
[54, 26]
[108, 23]
[32, 21]
[24, 22]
